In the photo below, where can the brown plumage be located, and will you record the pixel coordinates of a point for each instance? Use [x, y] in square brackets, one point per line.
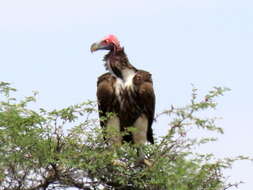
[125, 91]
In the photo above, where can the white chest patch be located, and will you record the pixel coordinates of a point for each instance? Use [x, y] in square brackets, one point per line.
[126, 82]
[119, 86]
[122, 84]
[128, 76]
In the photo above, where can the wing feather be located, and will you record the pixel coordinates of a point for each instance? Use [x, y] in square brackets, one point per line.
[146, 98]
[105, 96]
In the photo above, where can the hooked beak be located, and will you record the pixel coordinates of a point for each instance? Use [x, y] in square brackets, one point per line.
[94, 47]
[100, 46]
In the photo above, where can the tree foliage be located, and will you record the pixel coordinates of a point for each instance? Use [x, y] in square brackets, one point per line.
[43, 150]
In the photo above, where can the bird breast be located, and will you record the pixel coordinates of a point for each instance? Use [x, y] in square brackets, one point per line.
[124, 87]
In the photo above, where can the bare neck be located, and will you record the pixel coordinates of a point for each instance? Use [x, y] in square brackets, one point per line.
[118, 64]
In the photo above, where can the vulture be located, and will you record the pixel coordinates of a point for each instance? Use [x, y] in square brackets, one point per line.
[127, 92]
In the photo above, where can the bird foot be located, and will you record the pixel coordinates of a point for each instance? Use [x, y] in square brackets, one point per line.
[118, 163]
[148, 163]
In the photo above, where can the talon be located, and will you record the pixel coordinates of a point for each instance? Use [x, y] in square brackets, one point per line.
[118, 163]
[148, 163]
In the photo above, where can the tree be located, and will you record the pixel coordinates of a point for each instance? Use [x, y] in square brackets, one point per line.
[43, 150]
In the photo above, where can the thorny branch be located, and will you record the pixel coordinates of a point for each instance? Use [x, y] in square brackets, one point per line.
[37, 153]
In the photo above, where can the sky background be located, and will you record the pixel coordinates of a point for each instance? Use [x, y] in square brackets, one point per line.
[44, 46]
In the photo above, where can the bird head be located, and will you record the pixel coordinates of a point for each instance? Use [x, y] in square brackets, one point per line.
[110, 42]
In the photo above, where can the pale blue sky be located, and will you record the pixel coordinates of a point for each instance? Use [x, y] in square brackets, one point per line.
[44, 46]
